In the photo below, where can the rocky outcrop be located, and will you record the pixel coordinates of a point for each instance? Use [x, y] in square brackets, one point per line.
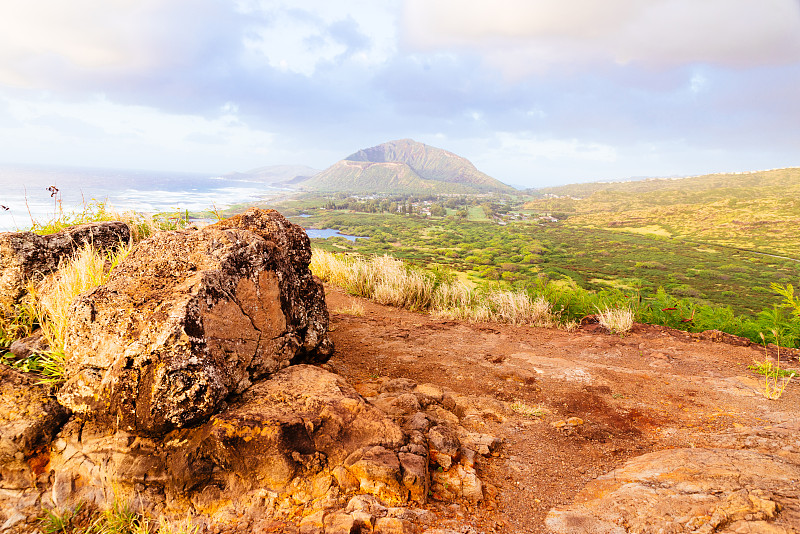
[191, 317]
[190, 380]
[29, 418]
[688, 490]
[25, 255]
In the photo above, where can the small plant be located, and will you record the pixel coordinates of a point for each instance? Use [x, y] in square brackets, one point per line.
[527, 410]
[355, 308]
[775, 378]
[58, 520]
[616, 320]
[120, 519]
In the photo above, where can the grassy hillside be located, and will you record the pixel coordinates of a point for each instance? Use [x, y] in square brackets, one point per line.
[521, 254]
[405, 167]
[369, 177]
[757, 211]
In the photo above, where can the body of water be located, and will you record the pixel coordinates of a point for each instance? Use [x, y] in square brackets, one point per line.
[24, 193]
[325, 233]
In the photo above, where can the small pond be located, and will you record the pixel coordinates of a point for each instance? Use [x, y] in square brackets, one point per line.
[325, 233]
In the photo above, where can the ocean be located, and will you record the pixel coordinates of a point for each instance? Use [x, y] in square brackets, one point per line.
[24, 194]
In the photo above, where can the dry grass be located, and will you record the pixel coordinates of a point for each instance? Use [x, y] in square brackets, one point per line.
[52, 297]
[355, 308]
[389, 281]
[527, 410]
[616, 320]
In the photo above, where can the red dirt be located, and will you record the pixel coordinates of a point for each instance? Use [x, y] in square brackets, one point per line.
[652, 389]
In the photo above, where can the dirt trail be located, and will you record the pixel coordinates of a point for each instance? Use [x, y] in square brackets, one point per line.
[652, 389]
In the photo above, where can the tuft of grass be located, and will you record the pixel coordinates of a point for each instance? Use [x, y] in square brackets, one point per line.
[775, 378]
[59, 520]
[527, 410]
[355, 308]
[16, 323]
[616, 320]
[389, 281]
[52, 297]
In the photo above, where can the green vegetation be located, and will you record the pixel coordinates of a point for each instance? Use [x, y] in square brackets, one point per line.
[758, 211]
[579, 271]
[47, 307]
[119, 519]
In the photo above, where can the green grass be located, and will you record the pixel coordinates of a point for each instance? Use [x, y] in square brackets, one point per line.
[580, 270]
[770, 370]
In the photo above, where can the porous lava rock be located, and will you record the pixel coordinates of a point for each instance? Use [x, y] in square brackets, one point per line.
[688, 490]
[26, 255]
[286, 437]
[29, 418]
[191, 317]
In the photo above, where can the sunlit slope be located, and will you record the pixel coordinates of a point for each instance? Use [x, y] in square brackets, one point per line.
[405, 167]
[758, 211]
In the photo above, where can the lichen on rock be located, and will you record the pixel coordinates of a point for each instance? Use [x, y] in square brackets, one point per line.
[191, 317]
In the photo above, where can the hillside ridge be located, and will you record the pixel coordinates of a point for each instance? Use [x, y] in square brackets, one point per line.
[408, 167]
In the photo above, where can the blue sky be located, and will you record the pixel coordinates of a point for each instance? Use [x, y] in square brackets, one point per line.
[534, 92]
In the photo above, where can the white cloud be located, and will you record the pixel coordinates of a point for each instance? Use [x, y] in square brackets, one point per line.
[75, 42]
[521, 37]
[300, 35]
[130, 136]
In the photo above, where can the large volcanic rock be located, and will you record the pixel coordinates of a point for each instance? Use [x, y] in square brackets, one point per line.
[191, 317]
[25, 255]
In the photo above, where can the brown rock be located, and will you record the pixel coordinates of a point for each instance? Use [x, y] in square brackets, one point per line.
[378, 472]
[444, 446]
[415, 476]
[392, 525]
[313, 524]
[687, 490]
[288, 435]
[29, 417]
[25, 256]
[341, 523]
[191, 317]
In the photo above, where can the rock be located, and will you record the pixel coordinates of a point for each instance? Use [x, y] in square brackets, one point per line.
[22, 348]
[289, 435]
[191, 317]
[392, 525]
[341, 523]
[444, 446]
[29, 418]
[378, 472]
[27, 256]
[415, 476]
[313, 524]
[460, 481]
[687, 490]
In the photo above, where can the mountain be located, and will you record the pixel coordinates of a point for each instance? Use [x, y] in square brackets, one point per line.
[275, 174]
[405, 167]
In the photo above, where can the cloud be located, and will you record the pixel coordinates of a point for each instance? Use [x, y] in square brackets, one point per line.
[84, 43]
[521, 37]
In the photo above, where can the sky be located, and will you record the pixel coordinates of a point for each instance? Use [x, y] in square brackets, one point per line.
[533, 92]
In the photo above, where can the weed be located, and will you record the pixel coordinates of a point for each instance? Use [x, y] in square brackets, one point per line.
[527, 410]
[617, 320]
[58, 520]
[52, 299]
[775, 378]
[120, 519]
[355, 308]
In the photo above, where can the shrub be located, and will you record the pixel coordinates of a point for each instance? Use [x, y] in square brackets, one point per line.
[616, 320]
